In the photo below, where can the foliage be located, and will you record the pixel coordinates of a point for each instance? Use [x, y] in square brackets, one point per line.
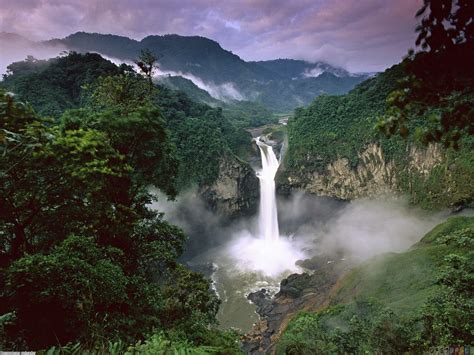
[248, 114]
[55, 85]
[47, 174]
[438, 86]
[108, 271]
[334, 127]
[202, 136]
[362, 327]
[147, 64]
[158, 343]
[108, 100]
[54, 295]
[339, 126]
[194, 309]
[369, 318]
[447, 316]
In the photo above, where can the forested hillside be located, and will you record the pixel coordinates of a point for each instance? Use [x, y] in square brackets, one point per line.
[335, 135]
[201, 135]
[240, 113]
[83, 259]
[396, 303]
[224, 75]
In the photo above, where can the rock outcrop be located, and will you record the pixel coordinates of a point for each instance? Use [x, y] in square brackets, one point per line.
[235, 191]
[373, 176]
[298, 292]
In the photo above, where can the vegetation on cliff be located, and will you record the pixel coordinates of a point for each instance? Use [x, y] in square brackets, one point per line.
[425, 99]
[334, 127]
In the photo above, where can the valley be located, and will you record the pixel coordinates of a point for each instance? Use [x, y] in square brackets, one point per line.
[160, 194]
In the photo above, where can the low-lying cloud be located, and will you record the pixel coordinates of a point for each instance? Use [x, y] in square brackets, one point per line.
[223, 92]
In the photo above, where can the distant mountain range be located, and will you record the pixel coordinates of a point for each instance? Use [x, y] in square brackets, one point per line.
[280, 85]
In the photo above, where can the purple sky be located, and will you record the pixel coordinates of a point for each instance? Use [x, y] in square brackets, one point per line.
[360, 35]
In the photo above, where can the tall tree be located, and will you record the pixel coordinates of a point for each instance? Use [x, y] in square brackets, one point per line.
[147, 62]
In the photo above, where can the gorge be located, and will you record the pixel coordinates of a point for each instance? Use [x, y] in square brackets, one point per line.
[160, 194]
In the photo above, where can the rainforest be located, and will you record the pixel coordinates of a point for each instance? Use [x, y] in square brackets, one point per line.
[160, 194]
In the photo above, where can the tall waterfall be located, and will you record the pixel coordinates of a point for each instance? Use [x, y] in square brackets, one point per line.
[268, 218]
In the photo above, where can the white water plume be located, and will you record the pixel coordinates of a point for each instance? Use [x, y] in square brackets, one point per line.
[267, 253]
[268, 217]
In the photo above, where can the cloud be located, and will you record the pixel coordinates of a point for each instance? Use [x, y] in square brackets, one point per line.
[362, 35]
[17, 49]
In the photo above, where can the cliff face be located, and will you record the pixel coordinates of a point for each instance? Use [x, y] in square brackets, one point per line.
[374, 175]
[235, 191]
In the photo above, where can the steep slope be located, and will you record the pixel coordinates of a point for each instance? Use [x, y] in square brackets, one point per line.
[335, 150]
[386, 303]
[294, 69]
[241, 113]
[196, 55]
[207, 143]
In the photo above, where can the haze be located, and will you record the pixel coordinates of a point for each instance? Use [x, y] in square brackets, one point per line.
[362, 36]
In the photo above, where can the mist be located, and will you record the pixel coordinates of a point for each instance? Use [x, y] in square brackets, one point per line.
[16, 48]
[309, 226]
[224, 92]
[313, 230]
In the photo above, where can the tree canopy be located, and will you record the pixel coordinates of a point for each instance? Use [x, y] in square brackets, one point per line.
[82, 257]
[439, 80]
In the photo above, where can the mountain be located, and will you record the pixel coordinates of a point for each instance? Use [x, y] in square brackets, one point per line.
[195, 55]
[14, 47]
[241, 113]
[279, 85]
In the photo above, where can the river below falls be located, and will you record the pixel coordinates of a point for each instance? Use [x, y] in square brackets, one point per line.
[232, 282]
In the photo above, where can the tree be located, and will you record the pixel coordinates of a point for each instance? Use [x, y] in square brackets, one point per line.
[47, 174]
[446, 24]
[147, 62]
[123, 108]
[54, 85]
[54, 295]
[435, 98]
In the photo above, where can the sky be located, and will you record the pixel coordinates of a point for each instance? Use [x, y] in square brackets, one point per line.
[359, 35]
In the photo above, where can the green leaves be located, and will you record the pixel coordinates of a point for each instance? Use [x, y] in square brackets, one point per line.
[437, 89]
[82, 258]
[64, 290]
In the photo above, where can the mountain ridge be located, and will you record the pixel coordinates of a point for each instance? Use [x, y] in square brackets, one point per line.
[280, 85]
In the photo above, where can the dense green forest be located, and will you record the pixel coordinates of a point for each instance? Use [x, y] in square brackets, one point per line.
[75, 216]
[202, 135]
[87, 266]
[240, 113]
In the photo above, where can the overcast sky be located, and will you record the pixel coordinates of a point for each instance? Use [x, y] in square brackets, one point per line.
[360, 35]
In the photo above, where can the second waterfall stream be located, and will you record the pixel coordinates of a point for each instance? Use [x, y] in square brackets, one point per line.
[268, 215]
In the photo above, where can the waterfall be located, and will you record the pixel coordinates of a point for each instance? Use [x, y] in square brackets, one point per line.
[268, 217]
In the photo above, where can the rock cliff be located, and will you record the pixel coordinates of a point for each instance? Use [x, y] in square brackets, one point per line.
[374, 175]
[235, 191]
